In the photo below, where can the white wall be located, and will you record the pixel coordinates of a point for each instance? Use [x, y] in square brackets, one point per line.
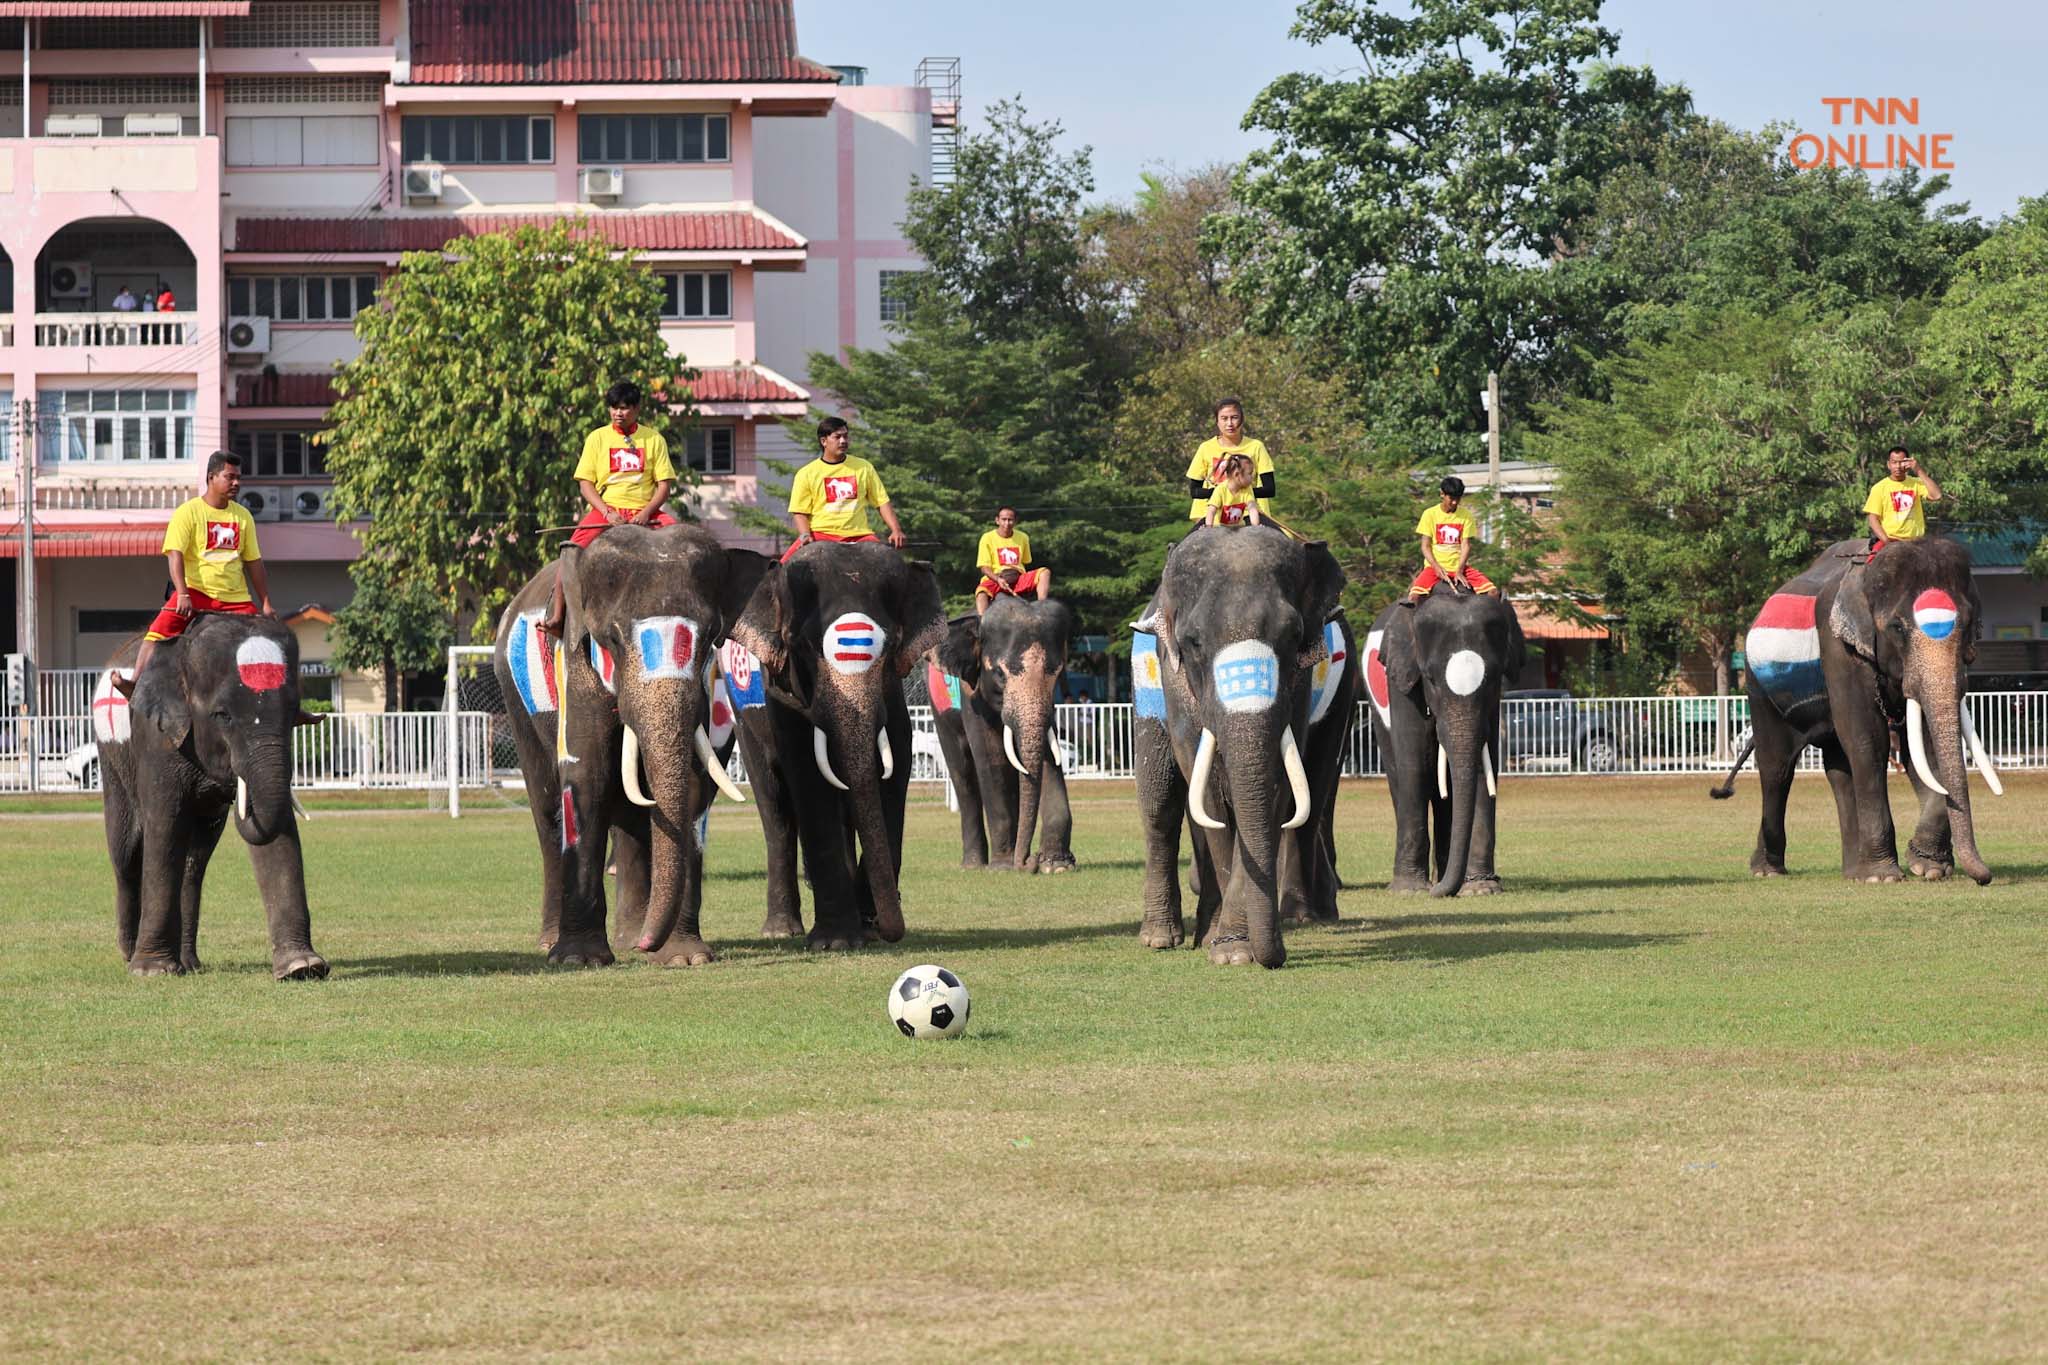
[260, 194]
[795, 314]
[703, 344]
[2012, 600]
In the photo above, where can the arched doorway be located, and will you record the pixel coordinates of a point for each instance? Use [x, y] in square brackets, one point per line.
[103, 265]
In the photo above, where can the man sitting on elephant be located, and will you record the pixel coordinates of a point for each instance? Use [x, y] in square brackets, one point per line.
[1004, 558]
[624, 476]
[1897, 506]
[829, 497]
[1447, 536]
[210, 547]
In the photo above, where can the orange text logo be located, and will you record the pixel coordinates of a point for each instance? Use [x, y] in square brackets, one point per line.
[1876, 135]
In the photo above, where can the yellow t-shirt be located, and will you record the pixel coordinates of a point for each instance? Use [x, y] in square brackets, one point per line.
[1448, 533]
[1230, 504]
[1901, 507]
[836, 496]
[1210, 454]
[216, 542]
[999, 552]
[625, 468]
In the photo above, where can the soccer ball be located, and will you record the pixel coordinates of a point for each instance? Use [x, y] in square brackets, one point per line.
[929, 1002]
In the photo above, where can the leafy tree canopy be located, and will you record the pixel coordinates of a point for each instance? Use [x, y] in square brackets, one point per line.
[395, 623]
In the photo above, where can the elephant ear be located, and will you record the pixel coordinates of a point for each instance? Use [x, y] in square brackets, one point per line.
[763, 624]
[160, 695]
[1851, 619]
[921, 613]
[744, 570]
[1397, 652]
[575, 625]
[1157, 621]
[1323, 592]
[960, 652]
[1518, 645]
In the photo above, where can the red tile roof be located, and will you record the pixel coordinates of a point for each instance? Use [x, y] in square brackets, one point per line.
[124, 9]
[729, 230]
[743, 384]
[284, 391]
[1538, 624]
[93, 540]
[541, 42]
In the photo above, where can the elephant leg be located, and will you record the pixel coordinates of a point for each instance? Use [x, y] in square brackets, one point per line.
[1930, 854]
[124, 851]
[1292, 875]
[586, 833]
[206, 832]
[772, 798]
[826, 833]
[1215, 859]
[997, 780]
[960, 771]
[1481, 879]
[1875, 855]
[1842, 783]
[167, 834]
[1055, 823]
[633, 876]
[1162, 805]
[280, 868]
[544, 803]
[1411, 785]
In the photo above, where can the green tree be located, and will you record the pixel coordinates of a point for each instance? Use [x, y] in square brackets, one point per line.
[395, 623]
[1409, 217]
[460, 421]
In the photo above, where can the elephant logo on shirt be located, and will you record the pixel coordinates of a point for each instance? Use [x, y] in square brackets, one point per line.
[1008, 556]
[841, 488]
[1449, 533]
[627, 460]
[1902, 501]
[1231, 515]
[224, 535]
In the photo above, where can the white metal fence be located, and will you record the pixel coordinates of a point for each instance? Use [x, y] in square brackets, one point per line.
[1539, 736]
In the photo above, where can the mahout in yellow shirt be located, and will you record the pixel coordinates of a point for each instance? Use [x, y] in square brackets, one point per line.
[625, 468]
[836, 496]
[216, 543]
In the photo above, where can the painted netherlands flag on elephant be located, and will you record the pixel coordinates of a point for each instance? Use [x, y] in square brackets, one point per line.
[1783, 651]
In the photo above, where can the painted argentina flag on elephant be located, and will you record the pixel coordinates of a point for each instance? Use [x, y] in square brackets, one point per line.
[1148, 688]
[1783, 653]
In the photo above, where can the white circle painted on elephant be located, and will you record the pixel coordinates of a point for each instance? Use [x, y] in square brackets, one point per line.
[1463, 672]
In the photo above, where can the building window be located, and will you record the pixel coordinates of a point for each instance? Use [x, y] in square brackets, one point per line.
[708, 450]
[301, 298]
[603, 139]
[305, 90]
[104, 33]
[292, 140]
[114, 426]
[478, 140]
[279, 454]
[331, 23]
[896, 294]
[694, 294]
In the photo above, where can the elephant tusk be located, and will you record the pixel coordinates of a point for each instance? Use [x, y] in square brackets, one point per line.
[1010, 752]
[709, 757]
[301, 810]
[1052, 749]
[1486, 761]
[241, 799]
[824, 763]
[1443, 773]
[1297, 778]
[1198, 785]
[1978, 756]
[629, 769]
[1916, 745]
[888, 754]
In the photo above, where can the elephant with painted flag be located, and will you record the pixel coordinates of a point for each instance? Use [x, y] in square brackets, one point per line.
[1861, 654]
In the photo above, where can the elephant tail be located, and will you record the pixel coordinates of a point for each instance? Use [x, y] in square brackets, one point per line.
[1727, 788]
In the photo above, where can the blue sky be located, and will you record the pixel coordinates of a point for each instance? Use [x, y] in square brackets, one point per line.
[1151, 84]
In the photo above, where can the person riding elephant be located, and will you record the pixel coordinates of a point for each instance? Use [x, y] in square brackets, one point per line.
[1221, 694]
[206, 734]
[1898, 631]
[834, 630]
[992, 684]
[1434, 673]
[619, 731]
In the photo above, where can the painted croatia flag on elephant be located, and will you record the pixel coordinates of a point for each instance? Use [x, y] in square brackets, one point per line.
[742, 675]
[1783, 652]
[530, 659]
[1934, 611]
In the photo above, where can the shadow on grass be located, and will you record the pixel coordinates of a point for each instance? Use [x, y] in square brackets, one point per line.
[1451, 948]
[1376, 924]
[446, 964]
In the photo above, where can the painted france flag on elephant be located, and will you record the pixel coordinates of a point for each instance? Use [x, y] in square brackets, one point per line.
[1783, 651]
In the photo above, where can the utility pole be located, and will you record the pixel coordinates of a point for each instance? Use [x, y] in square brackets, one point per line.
[25, 577]
[1493, 431]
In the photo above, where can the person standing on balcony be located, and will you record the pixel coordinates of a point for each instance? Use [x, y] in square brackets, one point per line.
[1205, 471]
[149, 300]
[829, 497]
[624, 476]
[167, 302]
[125, 301]
[210, 547]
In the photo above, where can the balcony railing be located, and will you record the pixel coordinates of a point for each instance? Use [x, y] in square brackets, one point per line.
[116, 329]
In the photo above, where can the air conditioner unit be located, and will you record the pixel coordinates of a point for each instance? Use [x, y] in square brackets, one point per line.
[248, 336]
[264, 504]
[604, 182]
[152, 125]
[313, 502]
[423, 182]
[71, 279]
[71, 125]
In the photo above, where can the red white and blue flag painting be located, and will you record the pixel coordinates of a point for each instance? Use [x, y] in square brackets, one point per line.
[722, 714]
[1376, 674]
[853, 643]
[1783, 651]
[531, 660]
[667, 645]
[1328, 676]
[607, 668]
[742, 674]
[1934, 611]
[260, 664]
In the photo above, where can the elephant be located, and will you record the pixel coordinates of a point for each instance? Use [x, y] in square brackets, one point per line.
[1435, 672]
[619, 732]
[833, 632]
[1223, 662]
[992, 684]
[1899, 630]
[207, 733]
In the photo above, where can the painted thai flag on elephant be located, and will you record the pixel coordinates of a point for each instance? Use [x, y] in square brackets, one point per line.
[606, 666]
[667, 645]
[530, 658]
[1783, 651]
[853, 643]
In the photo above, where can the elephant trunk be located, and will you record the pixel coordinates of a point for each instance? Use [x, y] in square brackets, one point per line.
[675, 867]
[1024, 737]
[1460, 759]
[263, 790]
[1933, 687]
[1251, 751]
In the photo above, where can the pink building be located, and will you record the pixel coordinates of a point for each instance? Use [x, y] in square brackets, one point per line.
[266, 162]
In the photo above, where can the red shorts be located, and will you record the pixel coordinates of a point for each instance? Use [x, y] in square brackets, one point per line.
[169, 625]
[826, 535]
[1429, 578]
[595, 524]
[1027, 582]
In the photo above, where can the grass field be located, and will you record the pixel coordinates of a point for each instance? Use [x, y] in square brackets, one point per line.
[1641, 1106]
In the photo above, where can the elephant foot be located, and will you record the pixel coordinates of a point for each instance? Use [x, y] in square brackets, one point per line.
[581, 950]
[1052, 864]
[683, 950]
[1161, 935]
[189, 961]
[1480, 886]
[1876, 874]
[1230, 950]
[782, 926]
[1028, 865]
[149, 964]
[298, 964]
[1296, 911]
[1930, 870]
[973, 864]
[836, 941]
[1409, 884]
[1761, 866]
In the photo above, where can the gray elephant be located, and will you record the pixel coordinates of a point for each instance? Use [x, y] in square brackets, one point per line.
[833, 632]
[620, 734]
[207, 734]
[992, 683]
[1223, 668]
[1434, 673]
[1856, 658]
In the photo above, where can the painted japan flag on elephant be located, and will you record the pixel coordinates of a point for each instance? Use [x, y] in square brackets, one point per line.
[1376, 675]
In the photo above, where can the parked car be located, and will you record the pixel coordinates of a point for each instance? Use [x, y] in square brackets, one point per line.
[82, 765]
[1548, 723]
